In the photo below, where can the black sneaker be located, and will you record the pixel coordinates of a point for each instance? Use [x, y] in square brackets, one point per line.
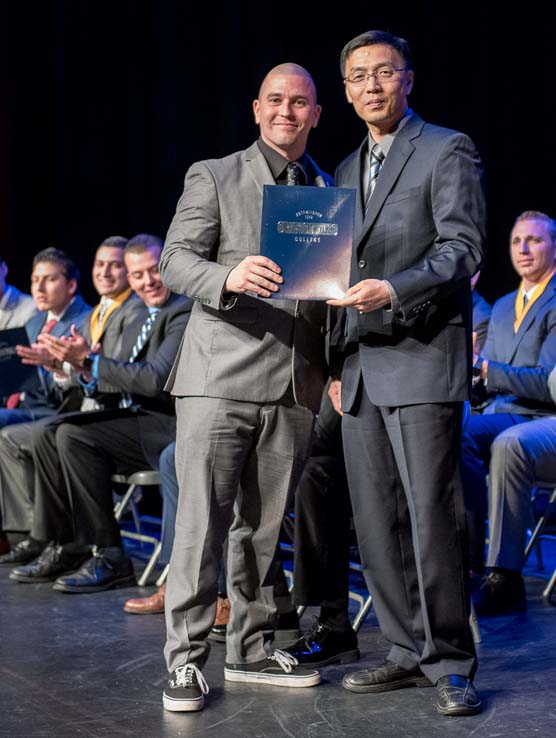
[186, 690]
[22, 553]
[52, 562]
[322, 646]
[279, 669]
[106, 569]
[501, 592]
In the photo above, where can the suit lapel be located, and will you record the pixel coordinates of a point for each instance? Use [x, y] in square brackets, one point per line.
[529, 319]
[258, 168]
[401, 150]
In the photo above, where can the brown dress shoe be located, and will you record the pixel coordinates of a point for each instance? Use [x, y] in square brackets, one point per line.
[218, 631]
[147, 605]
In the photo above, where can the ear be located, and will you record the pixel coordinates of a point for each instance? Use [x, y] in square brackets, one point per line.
[409, 81]
[348, 96]
[72, 286]
[256, 108]
[316, 115]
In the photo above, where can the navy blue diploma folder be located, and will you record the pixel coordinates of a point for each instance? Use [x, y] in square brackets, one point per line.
[308, 232]
[15, 376]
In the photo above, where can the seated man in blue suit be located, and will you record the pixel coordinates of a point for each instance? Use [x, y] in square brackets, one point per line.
[518, 355]
[54, 286]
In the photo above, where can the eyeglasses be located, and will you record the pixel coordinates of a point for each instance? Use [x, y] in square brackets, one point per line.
[383, 74]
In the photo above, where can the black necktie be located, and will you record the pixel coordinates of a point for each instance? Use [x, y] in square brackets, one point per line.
[292, 174]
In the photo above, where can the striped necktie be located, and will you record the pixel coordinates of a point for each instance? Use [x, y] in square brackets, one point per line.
[104, 305]
[375, 162]
[144, 333]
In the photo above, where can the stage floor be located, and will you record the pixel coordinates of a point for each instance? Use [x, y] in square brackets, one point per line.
[76, 666]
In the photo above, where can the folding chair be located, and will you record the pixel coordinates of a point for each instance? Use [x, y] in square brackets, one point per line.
[539, 532]
[129, 502]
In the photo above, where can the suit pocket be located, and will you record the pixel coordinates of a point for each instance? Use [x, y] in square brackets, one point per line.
[405, 195]
[238, 315]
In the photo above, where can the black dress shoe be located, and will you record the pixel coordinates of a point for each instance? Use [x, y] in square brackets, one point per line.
[23, 552]
[52, 562]
[106, 569]
[385, 678]
[457, 696]
[322, 646]
[501, 592]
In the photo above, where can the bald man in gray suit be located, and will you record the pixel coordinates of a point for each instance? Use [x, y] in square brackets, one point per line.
[247, 380]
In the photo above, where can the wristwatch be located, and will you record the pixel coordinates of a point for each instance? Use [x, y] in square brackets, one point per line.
[88, 362]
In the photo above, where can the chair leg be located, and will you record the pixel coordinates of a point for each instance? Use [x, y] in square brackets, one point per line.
[162, 578]
[120, 506]
[365, 604]
[150, 565]
[541, 523]
[550, 586]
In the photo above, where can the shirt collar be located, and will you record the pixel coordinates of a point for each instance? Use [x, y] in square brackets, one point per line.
[50, 315]
[278, 163]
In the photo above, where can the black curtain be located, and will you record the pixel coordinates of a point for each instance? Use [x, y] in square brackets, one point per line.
[106, 104]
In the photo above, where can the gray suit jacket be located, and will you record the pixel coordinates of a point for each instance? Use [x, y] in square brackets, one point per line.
[520, 363]
[424, 232]
[17, 310]
[248, 349]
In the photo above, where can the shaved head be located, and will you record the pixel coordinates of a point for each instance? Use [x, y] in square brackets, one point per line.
[290, 68]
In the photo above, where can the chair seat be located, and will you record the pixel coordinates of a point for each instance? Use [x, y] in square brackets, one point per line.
[146, 477]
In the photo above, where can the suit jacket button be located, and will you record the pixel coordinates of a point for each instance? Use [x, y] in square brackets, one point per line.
[362, 264]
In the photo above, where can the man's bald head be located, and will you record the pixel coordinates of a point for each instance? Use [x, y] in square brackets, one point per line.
[293, 69]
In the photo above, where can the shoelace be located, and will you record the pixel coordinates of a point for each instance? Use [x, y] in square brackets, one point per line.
[284, 659]
[311, 639]
[97, 557]
[187, 675]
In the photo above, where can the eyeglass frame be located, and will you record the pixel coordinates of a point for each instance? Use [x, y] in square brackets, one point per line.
[374, 74]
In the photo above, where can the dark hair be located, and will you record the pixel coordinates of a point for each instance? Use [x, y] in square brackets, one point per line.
[57, 256]
[117, 242]
[369, 38]
[143, 241]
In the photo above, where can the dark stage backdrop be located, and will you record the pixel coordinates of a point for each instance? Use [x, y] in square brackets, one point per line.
[105, 104]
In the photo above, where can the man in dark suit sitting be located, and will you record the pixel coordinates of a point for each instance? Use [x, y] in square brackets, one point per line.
[517, 357]
[75, 460]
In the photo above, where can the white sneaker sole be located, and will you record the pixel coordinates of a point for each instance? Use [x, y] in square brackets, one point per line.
[276, 680]
[193, 705]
